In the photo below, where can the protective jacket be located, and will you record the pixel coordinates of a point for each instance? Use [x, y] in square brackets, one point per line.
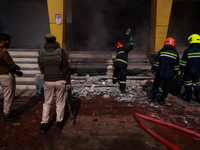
[53, 62]
[190, 61]
[122, 54]
[166, 63]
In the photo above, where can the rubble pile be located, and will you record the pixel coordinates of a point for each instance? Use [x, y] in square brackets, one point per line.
[138, 89]
[91, 86]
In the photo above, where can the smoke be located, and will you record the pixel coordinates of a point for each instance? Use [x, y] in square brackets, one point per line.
[184, 23]
[99, 24]
[98, 31]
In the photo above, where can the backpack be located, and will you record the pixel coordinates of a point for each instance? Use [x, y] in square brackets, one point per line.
[51, 61]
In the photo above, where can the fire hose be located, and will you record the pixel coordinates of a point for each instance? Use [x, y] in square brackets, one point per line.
[159, 138]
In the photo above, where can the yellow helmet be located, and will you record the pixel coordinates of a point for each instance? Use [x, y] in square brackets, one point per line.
[194, 38]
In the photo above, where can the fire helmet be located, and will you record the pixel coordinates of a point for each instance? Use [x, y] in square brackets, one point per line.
[194, 38]
[170, 41]
[119, 44]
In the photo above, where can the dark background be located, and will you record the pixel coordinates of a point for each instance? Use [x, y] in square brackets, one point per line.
[99, 24]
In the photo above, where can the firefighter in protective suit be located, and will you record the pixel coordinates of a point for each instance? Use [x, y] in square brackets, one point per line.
[166, 68]
[190, 67]
[53, 64]
[120, 64]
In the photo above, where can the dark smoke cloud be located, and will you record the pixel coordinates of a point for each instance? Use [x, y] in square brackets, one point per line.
[184, 21]
[99, 24]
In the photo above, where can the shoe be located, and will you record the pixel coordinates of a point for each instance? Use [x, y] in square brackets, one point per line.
[162, 102]
[8, 118]
[124, 92]
[188, 100]
[150, 100]
[59, 126]
[114, 82]
[43, 128]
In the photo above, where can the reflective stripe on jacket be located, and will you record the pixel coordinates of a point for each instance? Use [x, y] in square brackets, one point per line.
[166, 63]
[122, 53]
[190, 61]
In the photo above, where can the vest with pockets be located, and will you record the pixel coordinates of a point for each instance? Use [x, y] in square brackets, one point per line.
[51, 61]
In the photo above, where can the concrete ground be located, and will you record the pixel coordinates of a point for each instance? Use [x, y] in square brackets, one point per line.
[100, 123]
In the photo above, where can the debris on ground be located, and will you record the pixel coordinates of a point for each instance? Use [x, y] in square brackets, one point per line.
[103, 117]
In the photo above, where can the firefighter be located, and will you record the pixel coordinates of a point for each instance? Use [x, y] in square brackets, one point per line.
[165, 68]
[120, 64]
[190, 67]
[53, 64]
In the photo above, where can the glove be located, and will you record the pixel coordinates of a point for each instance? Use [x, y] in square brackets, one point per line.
[68, 87]
[16, 67]
[19, 73]
[174, 77]
[12, 71]
[130, 39]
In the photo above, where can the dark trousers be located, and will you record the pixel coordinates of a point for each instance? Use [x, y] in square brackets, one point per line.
[119, 73]
[166, 87]
[189, 81]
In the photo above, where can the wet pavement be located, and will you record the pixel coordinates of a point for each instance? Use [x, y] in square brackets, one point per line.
[103, 120]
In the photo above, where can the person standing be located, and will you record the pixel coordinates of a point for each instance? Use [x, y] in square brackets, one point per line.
[53, 63]
[166, 68]
[190, 67]
[7, 79]
[120, 64]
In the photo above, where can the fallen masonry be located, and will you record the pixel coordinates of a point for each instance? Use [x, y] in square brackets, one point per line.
[90, 86]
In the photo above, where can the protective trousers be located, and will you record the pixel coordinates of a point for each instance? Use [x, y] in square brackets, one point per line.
[8, 85]
[166, 87]
[189, 81]
[59, 88]
[120, 71]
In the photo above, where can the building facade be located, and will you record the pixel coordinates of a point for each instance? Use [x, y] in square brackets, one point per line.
[96, 25]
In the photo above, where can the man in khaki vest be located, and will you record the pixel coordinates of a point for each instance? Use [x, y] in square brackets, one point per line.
[53, 63]
[7, 79]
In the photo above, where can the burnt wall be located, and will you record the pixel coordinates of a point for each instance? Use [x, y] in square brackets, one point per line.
[26, 21]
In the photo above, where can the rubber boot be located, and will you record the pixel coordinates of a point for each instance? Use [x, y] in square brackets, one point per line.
[162, 102]
[8, 118]
[43, 128]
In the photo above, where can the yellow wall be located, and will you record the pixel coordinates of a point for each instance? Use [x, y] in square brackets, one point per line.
[56, 7]
[160, 15]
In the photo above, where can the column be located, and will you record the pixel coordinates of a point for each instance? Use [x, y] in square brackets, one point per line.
[56, 19]
[160, 16]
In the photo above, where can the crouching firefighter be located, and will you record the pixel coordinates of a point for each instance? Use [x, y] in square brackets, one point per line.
[53, 63]
[165, 67]
[120, 64]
